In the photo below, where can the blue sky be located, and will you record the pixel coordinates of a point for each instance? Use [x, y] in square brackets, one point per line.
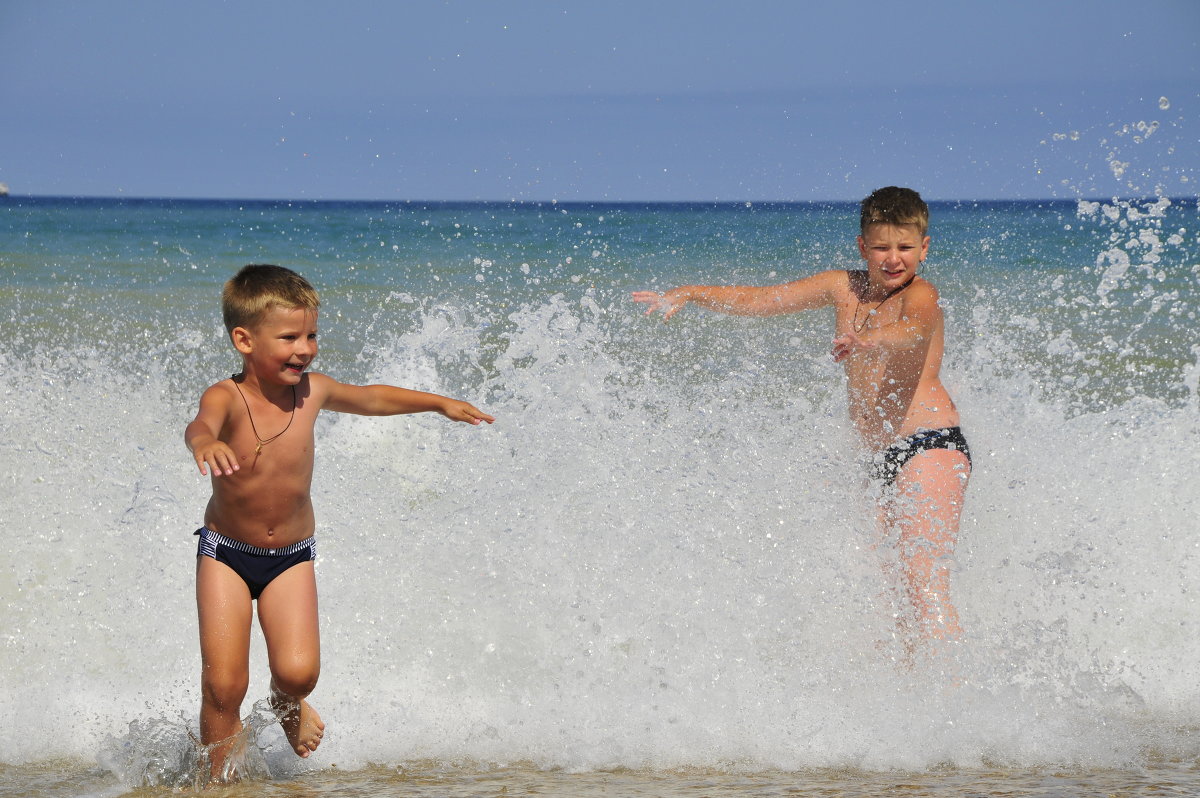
[670, 100]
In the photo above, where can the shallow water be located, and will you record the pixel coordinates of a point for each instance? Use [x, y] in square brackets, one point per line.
[52, 780]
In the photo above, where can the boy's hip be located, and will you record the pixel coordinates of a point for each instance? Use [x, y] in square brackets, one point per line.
[211, 540]
[885, 466]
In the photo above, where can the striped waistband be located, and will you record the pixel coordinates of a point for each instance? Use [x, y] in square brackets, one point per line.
[209, 541]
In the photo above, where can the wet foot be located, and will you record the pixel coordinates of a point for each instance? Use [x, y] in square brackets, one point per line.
[224, 757]
[302, 726]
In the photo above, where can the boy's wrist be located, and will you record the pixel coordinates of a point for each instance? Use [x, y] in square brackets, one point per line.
[200, 439]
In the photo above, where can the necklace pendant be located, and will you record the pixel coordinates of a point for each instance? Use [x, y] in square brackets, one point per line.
[258, 449]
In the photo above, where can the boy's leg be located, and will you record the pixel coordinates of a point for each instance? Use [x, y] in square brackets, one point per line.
[224, 609]
[925, 514]
[287, 613]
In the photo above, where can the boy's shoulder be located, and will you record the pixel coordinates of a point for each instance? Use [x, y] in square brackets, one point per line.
[841, 283]
[317, 387]
[923, 289]
[921, 296]
[219, 388]
[316, 381]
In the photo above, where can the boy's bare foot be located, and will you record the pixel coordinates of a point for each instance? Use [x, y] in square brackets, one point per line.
[302, 726]
[224, 756]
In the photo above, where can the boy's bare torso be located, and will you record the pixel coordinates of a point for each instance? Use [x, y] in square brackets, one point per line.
[893, 393]
[267, 503]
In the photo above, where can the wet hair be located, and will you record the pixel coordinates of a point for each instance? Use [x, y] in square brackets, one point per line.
[894, 205]
[259, 288]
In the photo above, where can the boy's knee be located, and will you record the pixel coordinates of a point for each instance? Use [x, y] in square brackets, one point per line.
[225, 690]
[295, 678]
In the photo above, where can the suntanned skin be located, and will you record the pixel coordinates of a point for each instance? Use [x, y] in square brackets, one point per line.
[261, 496]
[889, 338]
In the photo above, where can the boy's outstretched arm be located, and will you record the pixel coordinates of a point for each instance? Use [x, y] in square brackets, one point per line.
[808, 293]
[200, 435]
[390, 400]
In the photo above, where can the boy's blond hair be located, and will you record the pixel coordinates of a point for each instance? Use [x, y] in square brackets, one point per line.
[895, 205]
[258, 288]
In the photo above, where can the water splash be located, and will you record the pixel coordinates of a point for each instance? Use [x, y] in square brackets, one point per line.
[660, 555]
[160, 752]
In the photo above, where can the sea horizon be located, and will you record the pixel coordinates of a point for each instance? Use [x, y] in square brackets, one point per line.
[698, 203]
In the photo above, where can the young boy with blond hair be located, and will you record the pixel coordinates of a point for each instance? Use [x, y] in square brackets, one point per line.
[889, 336]
[254, 434]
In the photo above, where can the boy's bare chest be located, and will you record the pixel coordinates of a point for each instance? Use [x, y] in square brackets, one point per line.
[857, 316]
[267, 432]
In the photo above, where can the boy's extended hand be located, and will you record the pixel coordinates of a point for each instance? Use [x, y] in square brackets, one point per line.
[847, 344]
[458, 410]
[669, 303]
[216, 455]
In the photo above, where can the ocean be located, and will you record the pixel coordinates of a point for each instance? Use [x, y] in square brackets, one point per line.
[657, 573]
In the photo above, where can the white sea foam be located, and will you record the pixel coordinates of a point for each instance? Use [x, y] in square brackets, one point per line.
[638, 565]
[661, 554]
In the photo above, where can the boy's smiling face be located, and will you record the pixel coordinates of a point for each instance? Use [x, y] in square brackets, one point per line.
[281, 346]
[893, 253]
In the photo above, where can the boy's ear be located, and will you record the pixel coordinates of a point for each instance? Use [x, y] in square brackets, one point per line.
[243, 341]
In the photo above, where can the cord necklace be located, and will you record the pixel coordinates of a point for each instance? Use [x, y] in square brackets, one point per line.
[261, 441]
[874, 310]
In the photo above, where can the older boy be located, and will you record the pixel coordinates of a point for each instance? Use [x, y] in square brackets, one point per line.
[254, 433]
[889, 337]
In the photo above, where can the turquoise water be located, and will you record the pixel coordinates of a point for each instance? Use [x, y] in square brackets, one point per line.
[659, 561]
